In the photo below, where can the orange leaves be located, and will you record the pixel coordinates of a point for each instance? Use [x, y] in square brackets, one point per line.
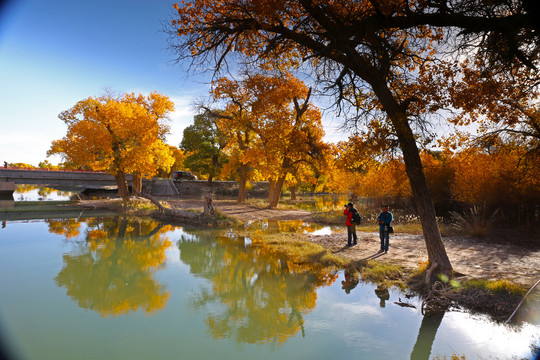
[501, 177]
[270, 123]
[502, 99]
[122, 134]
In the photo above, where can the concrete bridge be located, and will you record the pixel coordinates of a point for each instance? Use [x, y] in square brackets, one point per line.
[56, 177]
[9, 177]
[166, 187]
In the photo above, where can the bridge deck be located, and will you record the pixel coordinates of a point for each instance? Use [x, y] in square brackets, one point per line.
[56, 177]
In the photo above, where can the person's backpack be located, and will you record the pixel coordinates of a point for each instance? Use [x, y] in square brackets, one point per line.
[356, 218]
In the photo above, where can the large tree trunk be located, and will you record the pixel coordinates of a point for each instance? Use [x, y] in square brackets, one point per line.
[276, 193]
[413, 166]
[293, 192]
[278, 185]
[121, 181]
[242, 183]
[136, 183]
[271, 186]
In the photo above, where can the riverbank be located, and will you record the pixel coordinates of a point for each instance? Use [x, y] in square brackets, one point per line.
[493, 274]
[490, 259]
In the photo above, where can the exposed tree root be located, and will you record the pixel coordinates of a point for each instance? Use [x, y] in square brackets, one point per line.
[206, 217]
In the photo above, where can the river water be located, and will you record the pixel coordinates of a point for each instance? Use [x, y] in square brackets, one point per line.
[120, 288]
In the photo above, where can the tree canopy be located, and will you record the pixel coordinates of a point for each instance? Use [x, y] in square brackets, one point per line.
[379, 59]
[367, 66]
[271, 126]
[117, 135]
[204, 142]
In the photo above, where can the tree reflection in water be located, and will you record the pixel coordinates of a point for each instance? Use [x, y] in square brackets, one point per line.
[264, 297]
[69, 228]
[426, 335]
[111, 272]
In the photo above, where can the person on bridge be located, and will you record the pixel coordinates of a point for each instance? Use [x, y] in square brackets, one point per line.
[5, 164]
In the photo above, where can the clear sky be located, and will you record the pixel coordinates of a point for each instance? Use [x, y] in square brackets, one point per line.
[54, 53]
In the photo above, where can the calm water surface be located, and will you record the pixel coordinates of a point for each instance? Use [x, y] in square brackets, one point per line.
[41, 193]
[118, 288]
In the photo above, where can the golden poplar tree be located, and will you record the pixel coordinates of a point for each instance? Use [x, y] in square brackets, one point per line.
[120, 136]
[274, 127]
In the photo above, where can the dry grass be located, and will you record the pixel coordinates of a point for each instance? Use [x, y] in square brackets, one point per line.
[475, 221]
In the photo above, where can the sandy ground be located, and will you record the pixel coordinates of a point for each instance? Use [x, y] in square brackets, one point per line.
[468, 256]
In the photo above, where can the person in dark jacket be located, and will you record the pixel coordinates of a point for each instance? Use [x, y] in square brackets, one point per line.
[351, 228]
[385, 219]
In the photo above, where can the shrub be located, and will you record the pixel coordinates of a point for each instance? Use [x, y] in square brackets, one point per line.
[475, 222]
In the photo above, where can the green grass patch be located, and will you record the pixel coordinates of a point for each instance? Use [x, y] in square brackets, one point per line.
[384, 274]
[493, 286]
[300, 251]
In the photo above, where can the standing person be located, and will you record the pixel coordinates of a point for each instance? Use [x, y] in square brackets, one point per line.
[385, 219]
[351, 228]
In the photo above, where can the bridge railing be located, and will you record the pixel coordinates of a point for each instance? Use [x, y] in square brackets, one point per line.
[45, 169]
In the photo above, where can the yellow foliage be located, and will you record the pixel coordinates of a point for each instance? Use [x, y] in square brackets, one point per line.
[117, 135]
[113, 274]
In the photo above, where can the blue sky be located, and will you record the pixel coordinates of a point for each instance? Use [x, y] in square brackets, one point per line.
[54, 53]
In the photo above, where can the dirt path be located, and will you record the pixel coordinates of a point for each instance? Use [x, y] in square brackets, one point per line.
[468, 256]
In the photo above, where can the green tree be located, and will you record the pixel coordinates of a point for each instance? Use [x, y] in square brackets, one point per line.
[204, 142]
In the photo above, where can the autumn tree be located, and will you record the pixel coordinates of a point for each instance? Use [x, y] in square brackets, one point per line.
[236, 122]
[503, 105]
[364, 61]
[270, 127]
[289, 129]
[46, 165]
[496, 178]
[117, 135]
[179, 157]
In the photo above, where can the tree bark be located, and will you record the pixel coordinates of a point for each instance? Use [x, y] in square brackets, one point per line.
[121, 181]
[271, 186]
[413, 166]
[242, 183]
[293, 192]
[208, 207]
[276, 193]
[136, 183]
[182, 214]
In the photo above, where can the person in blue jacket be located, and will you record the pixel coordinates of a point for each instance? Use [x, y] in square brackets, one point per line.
[385, 219]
